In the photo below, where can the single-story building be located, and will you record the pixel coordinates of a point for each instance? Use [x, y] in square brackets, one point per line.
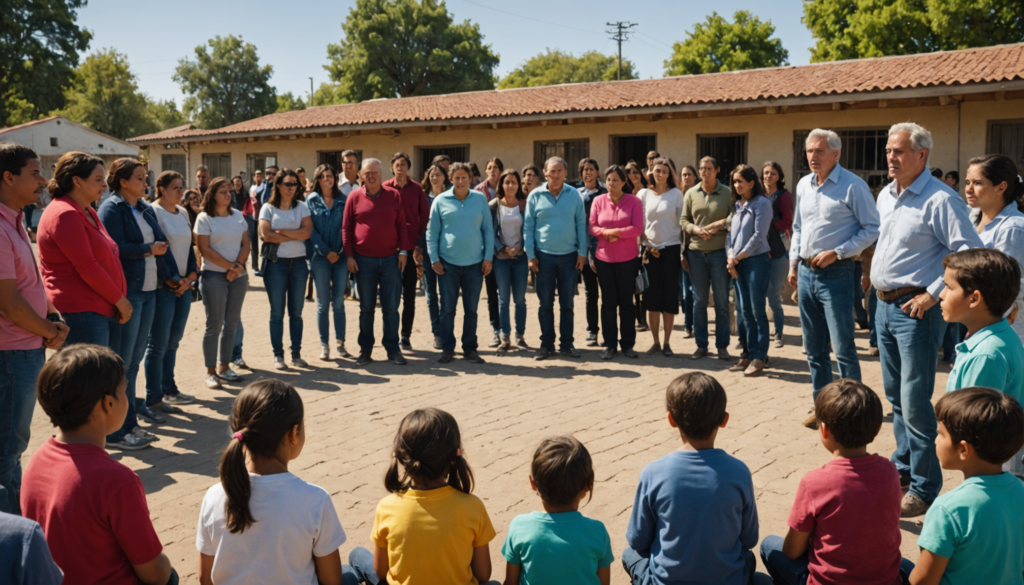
[52, 137]
[971, 100]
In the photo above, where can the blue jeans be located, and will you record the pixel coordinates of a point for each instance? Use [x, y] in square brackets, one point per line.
[169, 319]
[556, 272]
[795, 572]
[130, 344]
[468, 279]
[330, 280]
[741, 324]
[236, 350]
[89, 327]
[686, 299]
[872, 309]
[360, 565]
[378, 274]
[858, 293]
[752, 284]
[907, 349]
[708, 273]
[511, 275]
[430, 291]
[825, 296]
[955, 333]
[637, 566]
[19, 370]
[285, 281]
[780, 272]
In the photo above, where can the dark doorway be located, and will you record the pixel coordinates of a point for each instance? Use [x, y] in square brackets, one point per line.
[728, 150]
[626, 148]
[425, 154]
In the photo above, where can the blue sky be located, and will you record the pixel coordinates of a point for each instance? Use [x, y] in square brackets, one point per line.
[155, 39]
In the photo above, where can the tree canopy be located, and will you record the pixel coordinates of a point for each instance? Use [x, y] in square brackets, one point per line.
[402, 48]
[226, 84]
[719, 45]
[557, 67]
[287, 102]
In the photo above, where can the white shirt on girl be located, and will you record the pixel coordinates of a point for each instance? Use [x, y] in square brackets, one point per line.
[178, 232]
[225, 236]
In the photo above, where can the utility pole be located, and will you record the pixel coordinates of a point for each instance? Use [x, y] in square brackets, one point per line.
[311, 92]
[620, 31]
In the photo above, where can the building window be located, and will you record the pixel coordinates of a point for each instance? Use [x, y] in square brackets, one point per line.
[219, 164]
[333, 158]
[863, 154]
[623, 149]
[728, 150]
[173, 162]
[573, 151]
[259, 162]
[425, 154]
[53, 141]
[1006, 137]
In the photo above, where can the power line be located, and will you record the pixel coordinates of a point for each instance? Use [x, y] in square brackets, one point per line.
[620, 32]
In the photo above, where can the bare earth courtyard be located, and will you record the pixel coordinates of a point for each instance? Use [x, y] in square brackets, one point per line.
[504, 408]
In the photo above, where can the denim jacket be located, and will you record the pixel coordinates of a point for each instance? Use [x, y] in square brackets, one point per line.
[118, 218]
[326, 236]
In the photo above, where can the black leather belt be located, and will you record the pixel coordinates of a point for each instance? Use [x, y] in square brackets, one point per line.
[808, 264]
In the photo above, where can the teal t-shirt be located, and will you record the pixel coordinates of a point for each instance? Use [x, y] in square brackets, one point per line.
[992, 358]
[979, 527]
[557, 548]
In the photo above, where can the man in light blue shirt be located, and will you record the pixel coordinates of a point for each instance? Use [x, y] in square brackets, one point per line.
[835, 220]
[555, 241]
[922, 221]
[460, 239]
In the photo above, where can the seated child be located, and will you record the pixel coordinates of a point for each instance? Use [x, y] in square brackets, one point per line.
[844, 527]
[974, 533]
[92, 509]
[430, 530]
[559, 545]
[261, 523]
[24, 557]
[694, 517]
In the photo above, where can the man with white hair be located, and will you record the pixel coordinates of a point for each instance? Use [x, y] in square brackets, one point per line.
[375, 238]
[923, 221]
[835, 220]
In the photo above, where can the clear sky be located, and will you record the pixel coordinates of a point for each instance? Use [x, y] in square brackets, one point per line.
[154, 38]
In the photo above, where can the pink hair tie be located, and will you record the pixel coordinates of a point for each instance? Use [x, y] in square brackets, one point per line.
[239, 436]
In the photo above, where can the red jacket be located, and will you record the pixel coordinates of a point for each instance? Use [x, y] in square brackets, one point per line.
[416, 207]
[374, 226]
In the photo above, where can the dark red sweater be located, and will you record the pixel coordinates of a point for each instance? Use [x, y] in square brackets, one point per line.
[374, 226]
[416, 207]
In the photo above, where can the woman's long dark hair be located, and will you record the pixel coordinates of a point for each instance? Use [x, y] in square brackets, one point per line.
[749, 174]
[264, 412]
[500, 191]
[671, 171]
[1001, 169]
[426, 177]
[210, 199]
[428, 446]
[778, 169]
[300, 190]
[320, 170]
[630, 166]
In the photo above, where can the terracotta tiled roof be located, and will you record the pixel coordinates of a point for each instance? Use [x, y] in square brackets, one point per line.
[992, 64]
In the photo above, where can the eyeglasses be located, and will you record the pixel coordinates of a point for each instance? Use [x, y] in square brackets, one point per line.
[290, 184]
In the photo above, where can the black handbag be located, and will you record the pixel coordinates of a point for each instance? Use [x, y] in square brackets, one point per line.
[268, 253]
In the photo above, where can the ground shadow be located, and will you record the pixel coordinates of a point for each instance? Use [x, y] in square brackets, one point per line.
[911, 527]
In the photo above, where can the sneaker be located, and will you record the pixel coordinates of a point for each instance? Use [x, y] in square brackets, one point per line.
[279, 363]
[325, 352]
[778, 343]
[723, 353]
[472, 357]
[240, 363]
[364, 359]
[298, 362]
[170, 408]
[521, 341]
[543, 353]
[342, 352]
[495, 341]
[506, 344]
[147, 414]
[212, 381]
[397, 358]
[655, 348]
[569, 352]
[811, 422]
[437, 342]
[630, 353]
[592, 340]
[128, 443]
[143, 434]
[913, 506]
[756, 368]
[667, 351]
[179, 398]
[446, 356]
[229, 376]
[608, 353]
[873, 351]
[699, 353]
[405, 345]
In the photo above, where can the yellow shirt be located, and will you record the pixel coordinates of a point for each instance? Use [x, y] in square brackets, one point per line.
[430, 535]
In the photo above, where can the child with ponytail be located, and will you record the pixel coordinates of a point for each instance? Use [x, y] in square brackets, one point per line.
[430, 530]
[262, 524]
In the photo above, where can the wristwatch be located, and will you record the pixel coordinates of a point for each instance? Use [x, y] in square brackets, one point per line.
[839, 255]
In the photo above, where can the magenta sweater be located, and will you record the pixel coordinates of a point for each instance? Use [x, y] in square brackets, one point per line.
[627, 215]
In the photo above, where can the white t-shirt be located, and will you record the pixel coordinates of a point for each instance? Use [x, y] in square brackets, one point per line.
[178, 232]
[511, 225]
[287, 219]
[295, 521]
[661, 217]
[149, 280]
[225, 236]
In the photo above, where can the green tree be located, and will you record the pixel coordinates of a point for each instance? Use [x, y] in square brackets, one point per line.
[166, 114]
[719, 45]
[402, 48]
[40, 41]
[104, 96]
[287, 102]
[226, 84]
[328, 94]
[557, 67]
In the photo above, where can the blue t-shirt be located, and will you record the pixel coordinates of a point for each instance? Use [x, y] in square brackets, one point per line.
[557, 548]
[979, 527]
[695, 513]
[24, 557]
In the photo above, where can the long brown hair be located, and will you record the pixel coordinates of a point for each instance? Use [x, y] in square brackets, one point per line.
[300, 190]
[428, 446]
[500, 191]
[749, 174]
[210, 199]
[164, 181]
[319, 172]
[630, 166]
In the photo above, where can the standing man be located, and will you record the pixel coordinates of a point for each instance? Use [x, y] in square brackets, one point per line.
[268, 186]
[254, 209]
[202, 179]
[417, 209]
[461, 236]
[349, 172]
[555, 241]
[28, 321]
[836, 219]
[922, 221]
[374, 234]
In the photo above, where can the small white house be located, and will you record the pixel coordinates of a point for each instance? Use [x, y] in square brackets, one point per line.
[52, 137]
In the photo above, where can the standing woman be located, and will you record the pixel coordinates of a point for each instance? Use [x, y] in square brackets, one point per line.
[750, 264]
[590, 190]
[688, 178]
[435, 182]
[285, 221]
[223, 240]
[531, 179]
[330, 269]
[510, 264]
[637, 181]
[782, 220]
[173, 301]
[192, 201]
[490, 189]
[663, 239]
[616, 220]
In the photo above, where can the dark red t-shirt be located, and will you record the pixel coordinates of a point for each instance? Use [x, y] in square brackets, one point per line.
[851, 507]
[415, 206]
[374, 226]
[93, 512]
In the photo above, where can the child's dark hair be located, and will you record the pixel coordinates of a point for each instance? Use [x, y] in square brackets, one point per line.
[987, 419]
[74, 380]
[992, 273]
[697, 404]
[262, 415]
[561, 469]
[428, 446]
[851, 411]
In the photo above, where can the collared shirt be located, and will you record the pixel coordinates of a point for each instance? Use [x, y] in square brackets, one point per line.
[416, 207]
[1006, 233]
[838, 215]
[749, 233]
[346, 186]
[326, 236]
[701, 208]
[18, 264]
[460, 232]
[992, 358]
[485, 188]
[555, 225]
[919, 228]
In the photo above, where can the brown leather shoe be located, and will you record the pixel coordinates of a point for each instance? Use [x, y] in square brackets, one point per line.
[741, 366]
[755, 369]
[812, 422]
[913, 506]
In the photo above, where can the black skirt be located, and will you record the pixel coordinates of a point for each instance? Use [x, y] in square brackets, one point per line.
[663, 272]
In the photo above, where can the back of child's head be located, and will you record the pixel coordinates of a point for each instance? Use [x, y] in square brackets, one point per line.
[987, 419]
[428, 446]
[697, 404]
[261, 416]
[562, 470]
[74, 380]
[850, 411]
[992, 273]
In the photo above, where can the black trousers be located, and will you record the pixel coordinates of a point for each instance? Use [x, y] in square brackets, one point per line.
[618, 284]
[492, 301]
[590, 287]
[409, 281]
